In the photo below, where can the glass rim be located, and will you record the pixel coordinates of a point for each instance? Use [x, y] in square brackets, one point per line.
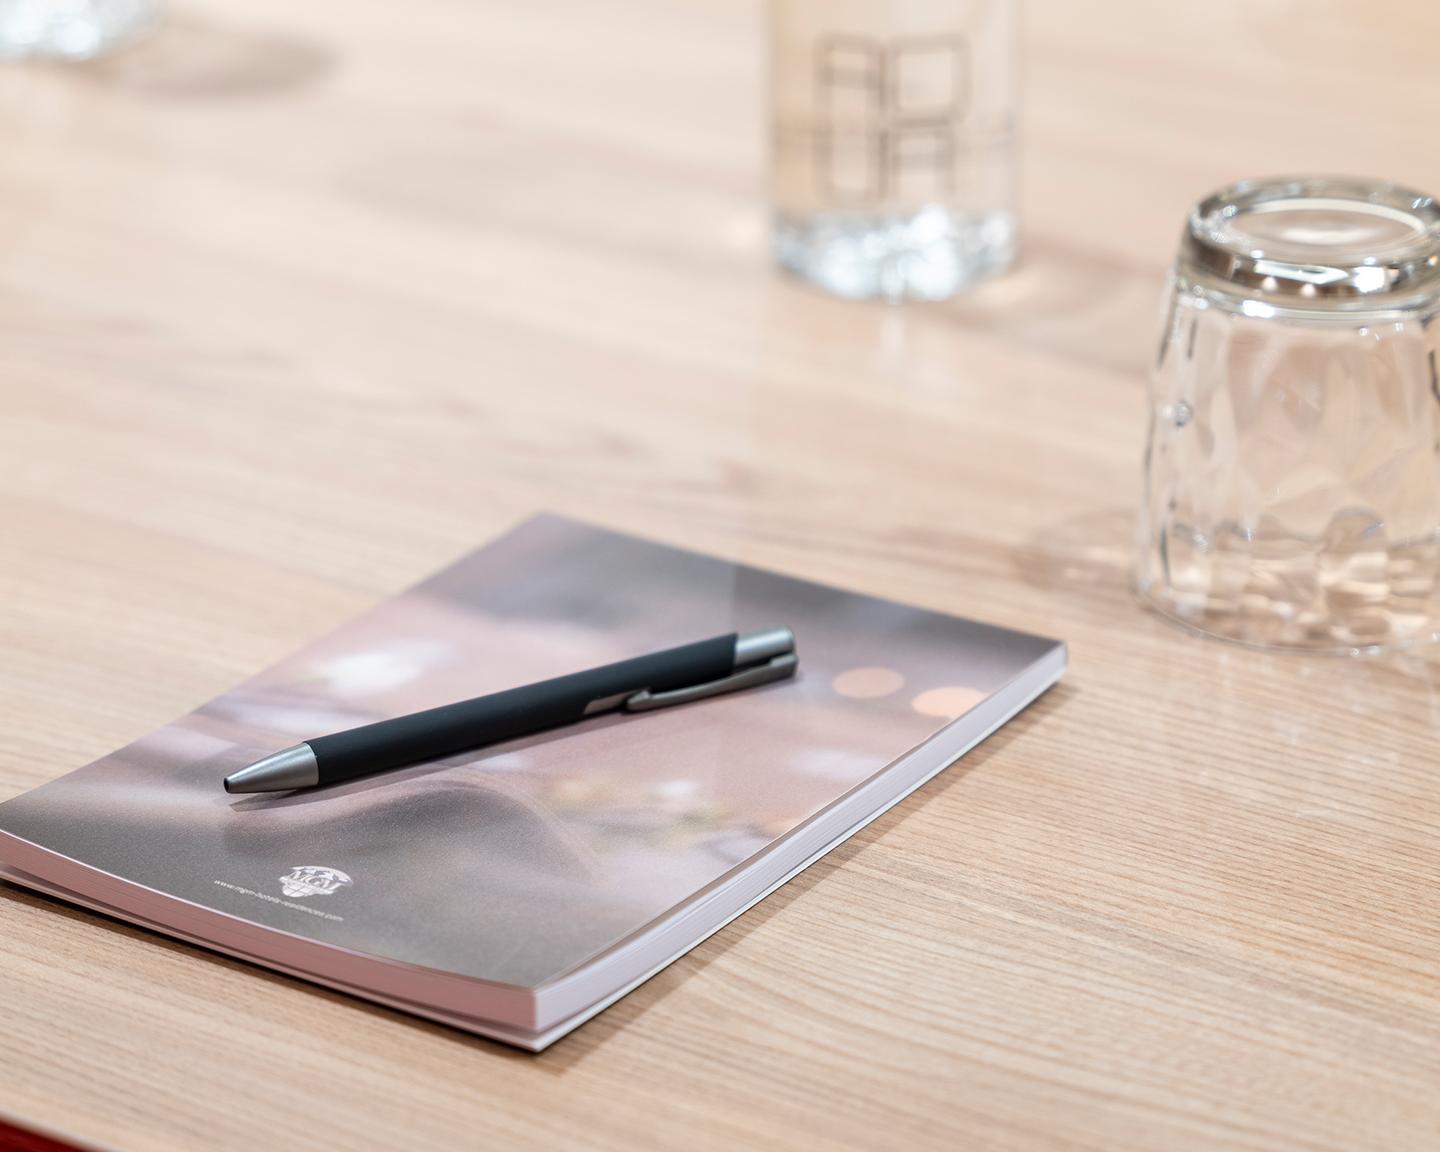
[1315, 241]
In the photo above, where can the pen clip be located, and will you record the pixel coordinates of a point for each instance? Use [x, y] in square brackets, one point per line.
[776, 668]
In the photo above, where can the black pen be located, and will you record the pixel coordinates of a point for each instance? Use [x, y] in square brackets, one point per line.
[675, 676]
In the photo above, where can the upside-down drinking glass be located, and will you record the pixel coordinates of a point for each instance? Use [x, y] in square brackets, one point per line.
[1292, 477]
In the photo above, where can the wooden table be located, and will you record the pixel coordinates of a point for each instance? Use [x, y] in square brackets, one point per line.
[300, 301]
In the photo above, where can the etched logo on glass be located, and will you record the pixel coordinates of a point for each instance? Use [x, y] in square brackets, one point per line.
[889, 111]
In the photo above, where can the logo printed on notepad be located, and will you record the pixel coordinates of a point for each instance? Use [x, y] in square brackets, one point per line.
[309, 880]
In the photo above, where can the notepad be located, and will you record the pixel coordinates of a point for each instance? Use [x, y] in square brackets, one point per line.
[517, 890]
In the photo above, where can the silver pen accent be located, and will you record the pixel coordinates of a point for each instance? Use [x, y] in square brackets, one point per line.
[760, 658]
[294, 767]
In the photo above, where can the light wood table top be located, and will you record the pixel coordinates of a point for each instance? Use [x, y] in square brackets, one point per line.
[299, 302]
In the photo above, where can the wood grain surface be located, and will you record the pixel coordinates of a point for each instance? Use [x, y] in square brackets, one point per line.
[299, 302]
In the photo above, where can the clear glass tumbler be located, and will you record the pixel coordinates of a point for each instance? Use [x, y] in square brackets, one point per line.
[71, 29]
[1292, 477]
[893, 137]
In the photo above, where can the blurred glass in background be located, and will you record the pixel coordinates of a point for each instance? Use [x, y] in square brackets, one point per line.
[893, 143]
[71, 29]
[1292, 483]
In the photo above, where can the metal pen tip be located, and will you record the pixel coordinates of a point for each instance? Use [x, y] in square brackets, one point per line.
[281, 771]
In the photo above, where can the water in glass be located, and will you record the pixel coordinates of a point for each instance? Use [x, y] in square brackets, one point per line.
[893, 143]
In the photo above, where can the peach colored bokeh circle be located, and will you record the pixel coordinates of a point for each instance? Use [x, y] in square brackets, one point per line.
[948, 702]
[868, 683]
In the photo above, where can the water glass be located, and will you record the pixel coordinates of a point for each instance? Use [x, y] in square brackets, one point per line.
[1292, 477]
[893, 128]
[71, 29]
